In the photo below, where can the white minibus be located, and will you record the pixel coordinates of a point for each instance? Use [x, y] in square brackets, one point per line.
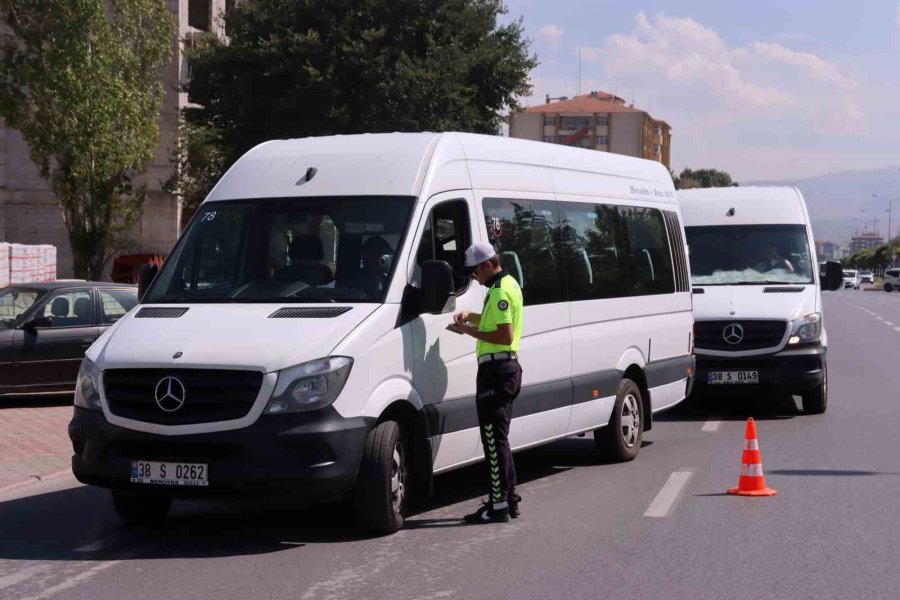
[295, 340]
[757, 302]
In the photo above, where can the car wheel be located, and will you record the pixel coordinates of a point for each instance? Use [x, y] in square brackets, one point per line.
[888, 287]
[815, 402]
[620, 440]
[136, 508]
[380, 492]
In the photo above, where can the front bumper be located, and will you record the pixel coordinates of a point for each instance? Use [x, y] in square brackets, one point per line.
[789, 371]
[313, 455]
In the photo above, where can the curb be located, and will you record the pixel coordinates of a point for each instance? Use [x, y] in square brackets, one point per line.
[35, 479]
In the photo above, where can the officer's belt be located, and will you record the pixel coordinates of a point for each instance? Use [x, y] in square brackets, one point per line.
[484, 358]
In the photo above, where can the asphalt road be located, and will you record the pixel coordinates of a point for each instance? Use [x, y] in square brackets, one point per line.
[832, 532]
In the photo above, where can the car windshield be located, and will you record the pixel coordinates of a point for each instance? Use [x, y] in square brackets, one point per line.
[849, 273]
[329, 249]
[749, 254]
[14, 301]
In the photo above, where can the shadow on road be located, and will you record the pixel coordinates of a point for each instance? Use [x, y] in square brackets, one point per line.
[36, 400]
[770, 408]
[53, 525]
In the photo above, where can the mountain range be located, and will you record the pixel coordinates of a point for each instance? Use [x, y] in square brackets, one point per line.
[835, 201]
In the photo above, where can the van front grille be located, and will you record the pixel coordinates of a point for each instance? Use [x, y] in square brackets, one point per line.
[747, 335]
[181, 396]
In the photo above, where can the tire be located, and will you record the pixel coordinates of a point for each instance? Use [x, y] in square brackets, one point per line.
[137, 508]
[380, 494]
[815, 402]
[888, 287]
[620, 440]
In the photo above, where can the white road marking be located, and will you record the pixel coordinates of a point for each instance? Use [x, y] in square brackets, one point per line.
[19, 577]
[888, 323]
[668, 494]
[74, 580]
[896, 328]
[711, 425]
[98, 544]
[879, 318]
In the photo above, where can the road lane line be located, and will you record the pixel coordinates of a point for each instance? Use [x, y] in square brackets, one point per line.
[879, 318]
[16, 578]
[711, 425]
[888, 323]
[896, 328]
[668, 494]
[74, 580]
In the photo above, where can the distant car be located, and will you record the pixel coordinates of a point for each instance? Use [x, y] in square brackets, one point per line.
[45, 329]
[851, 279]
[891, 279]
[866, 277]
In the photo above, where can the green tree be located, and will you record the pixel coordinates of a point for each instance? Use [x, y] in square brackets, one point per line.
[320, 67]
[703, 178]
[199, 161]
[80, 79]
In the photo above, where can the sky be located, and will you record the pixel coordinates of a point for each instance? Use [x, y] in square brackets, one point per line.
[765, 90]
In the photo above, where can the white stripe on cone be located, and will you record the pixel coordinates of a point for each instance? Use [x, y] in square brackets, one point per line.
[751, 470]
[751, 444]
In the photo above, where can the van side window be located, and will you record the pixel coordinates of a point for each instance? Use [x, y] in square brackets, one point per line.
[594, 250]
[446, 236]
[649, 257]
[526, 236]
[676, 241]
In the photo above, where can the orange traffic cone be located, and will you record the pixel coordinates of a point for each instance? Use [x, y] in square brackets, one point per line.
[752, 481]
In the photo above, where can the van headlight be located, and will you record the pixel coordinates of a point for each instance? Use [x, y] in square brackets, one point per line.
[87, 386]
[806, 330]
[309, 386]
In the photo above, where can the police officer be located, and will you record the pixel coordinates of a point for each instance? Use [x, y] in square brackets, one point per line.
[499, 330]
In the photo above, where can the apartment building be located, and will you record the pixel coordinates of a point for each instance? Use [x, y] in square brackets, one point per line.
[598, 121]
[867, 240]
[29, 211]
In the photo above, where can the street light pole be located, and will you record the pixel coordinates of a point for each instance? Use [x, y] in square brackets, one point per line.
[890, 202]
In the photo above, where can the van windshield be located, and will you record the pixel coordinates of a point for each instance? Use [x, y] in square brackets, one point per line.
[329, 249]
[749, 254]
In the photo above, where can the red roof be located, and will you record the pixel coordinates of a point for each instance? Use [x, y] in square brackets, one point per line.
[597, 102]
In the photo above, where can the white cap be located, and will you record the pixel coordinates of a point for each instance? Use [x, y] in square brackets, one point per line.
[478, 253]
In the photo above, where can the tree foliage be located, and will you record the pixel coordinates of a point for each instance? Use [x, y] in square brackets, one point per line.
[80, 79]
[702, 178]
[320, 67]
[876, 259]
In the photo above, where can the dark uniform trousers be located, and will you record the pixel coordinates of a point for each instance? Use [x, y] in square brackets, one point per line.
[498, 383]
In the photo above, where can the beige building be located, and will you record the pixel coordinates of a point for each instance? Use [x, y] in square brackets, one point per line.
[29, 212]
[867, 240]
[599, 121]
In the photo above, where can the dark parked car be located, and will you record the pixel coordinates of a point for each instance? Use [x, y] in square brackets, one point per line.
[45, 329]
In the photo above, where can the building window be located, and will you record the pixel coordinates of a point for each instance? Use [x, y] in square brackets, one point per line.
[602, 140]
[200, 14]
[658, 130]
[657, 149]
[550, 139]
[603, 121]
[549, 121]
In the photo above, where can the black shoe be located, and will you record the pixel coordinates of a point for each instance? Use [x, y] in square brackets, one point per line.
[514, 500]
[488, 514]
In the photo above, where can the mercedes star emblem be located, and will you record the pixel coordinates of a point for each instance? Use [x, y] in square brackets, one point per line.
[170, 394]
[733, 334]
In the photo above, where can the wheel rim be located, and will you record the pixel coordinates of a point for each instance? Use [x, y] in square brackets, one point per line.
[398, 478]
[630, 420]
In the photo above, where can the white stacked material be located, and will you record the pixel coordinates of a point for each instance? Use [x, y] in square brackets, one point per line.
[29, 264]
[4, 264]
[48, 272]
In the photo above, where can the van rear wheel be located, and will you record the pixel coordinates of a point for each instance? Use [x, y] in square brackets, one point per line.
[380, 493]
[620, 440]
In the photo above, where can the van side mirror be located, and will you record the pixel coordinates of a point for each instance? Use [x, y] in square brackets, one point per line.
[37, 323]
[831, 275]
[148, 274]
[437, 287]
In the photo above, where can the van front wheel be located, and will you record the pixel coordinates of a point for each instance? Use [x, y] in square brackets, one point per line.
[380, 492]
[620, 440]
[815, 402]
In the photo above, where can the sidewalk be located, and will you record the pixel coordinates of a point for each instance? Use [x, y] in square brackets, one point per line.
[34, 442]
